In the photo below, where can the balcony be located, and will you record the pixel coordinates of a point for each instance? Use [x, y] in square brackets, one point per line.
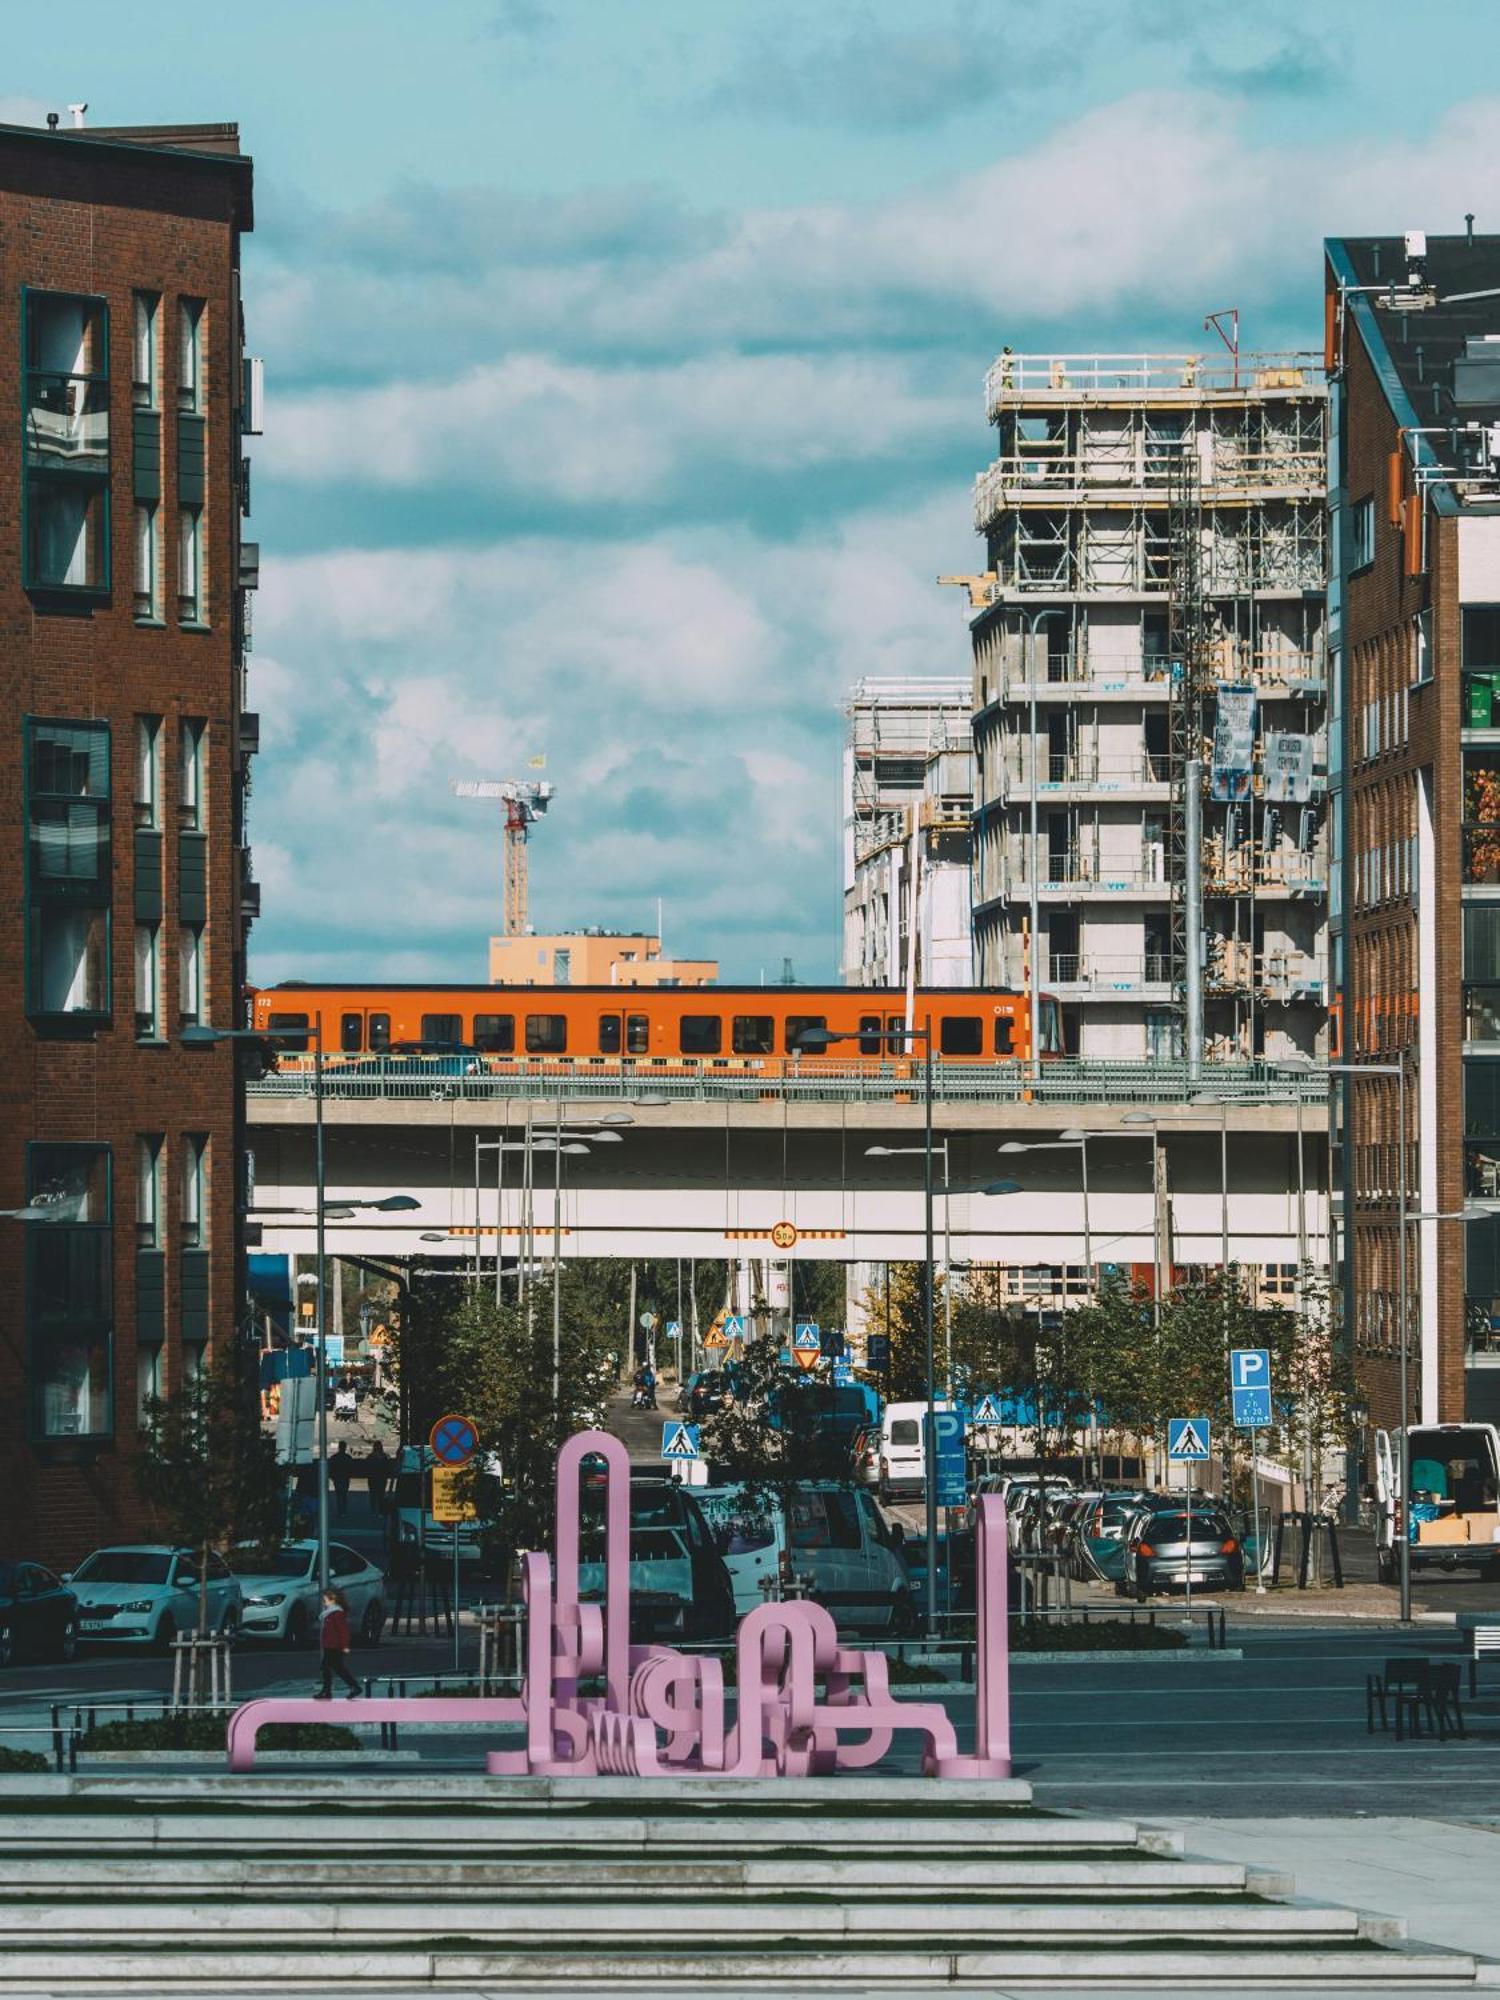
[1070, 877]
[1108, 378]
[1080, 773]
[1046, 474]
[1103, 975]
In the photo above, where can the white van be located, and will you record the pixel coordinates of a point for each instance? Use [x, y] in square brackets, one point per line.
[903, 1458]
[850, 1554]
[1453, 1484]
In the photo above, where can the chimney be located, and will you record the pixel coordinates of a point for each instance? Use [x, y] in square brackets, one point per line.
[1469, 229]
[78, 111]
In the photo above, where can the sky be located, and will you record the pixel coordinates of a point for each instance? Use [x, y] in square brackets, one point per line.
[624, 371]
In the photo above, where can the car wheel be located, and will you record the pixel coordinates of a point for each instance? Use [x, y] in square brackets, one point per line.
[7, 1647]
[371, 1624]
[69, 1648]
[165, 1633]
[297, 1627]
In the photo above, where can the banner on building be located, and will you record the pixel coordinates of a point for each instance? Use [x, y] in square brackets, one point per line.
[1289, 768]
[1234, 743]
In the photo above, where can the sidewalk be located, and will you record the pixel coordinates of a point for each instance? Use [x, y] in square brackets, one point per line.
[1438, 1874]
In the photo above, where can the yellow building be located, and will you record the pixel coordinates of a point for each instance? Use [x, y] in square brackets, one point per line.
[593, 958]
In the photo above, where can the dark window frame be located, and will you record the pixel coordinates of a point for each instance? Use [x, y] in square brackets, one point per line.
[93, 481]
[753, 1034]
[495, 1034]
[75, 1251]
[59, 891]
[546, 1034]
[960, 1035]
[700, 1034]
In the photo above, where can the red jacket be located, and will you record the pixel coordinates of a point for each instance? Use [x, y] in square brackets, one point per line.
[333, 1632]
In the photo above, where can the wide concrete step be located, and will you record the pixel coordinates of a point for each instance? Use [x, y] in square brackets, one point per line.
[695, 1969]
[682, 1831]
[1132, 1874]
[780, 1916]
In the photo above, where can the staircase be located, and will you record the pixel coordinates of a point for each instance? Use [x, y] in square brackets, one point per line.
[403, 1882]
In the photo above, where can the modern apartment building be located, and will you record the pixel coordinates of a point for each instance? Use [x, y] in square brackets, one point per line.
[593, 958]
[908, 833]
[124, 874]
[1154, 593]
[1413, 329]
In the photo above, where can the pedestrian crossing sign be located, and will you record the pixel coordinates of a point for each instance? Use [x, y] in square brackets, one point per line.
[679, 1442]
[987, 1411]
[1187, 1439]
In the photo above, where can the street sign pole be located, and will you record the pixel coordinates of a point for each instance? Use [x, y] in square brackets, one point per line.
[1188, 1572]
[1260, 1570]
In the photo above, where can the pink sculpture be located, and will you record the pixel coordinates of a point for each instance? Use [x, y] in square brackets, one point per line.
[662, 1713]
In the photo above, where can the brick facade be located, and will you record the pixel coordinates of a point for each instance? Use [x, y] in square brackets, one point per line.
[105, 217]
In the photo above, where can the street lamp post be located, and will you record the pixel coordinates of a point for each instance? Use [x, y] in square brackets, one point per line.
[202, 1036]
[939, 1146]
[813, 1041]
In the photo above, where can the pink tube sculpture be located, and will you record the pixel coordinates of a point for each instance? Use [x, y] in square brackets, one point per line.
[803, 1706]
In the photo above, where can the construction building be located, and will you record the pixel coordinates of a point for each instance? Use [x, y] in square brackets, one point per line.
[125, 880]
[594, 958]
[908, 829]
[1413, 328]
[1153, 601]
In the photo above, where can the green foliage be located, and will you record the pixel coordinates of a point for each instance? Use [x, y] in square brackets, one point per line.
[206, 1470]
[1093, 1635]
[21, 1760]
[495, 1364]
[747, 1449]
[897, 1308]
[207, 1732]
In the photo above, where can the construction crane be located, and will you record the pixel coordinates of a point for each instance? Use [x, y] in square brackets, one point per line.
[525, 801]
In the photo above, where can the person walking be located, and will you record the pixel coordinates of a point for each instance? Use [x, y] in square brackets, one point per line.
[340, 1472]
[333, 1639]
[378, 1469]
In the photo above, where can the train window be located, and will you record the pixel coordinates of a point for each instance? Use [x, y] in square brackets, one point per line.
[701, 1034]
[609, 1034]
[797, 1026]
[1005, 1035]
[753, 1035]
[871, 1041]
[637, 1034]
[959, 1035]
[546, 1034]
[495, 1034]
[284, 1027]
[443, 1030]
[351, 1034]
[380, 1032]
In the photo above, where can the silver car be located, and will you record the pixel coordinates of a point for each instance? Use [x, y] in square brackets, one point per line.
[1160, 1556]
[281, 1596]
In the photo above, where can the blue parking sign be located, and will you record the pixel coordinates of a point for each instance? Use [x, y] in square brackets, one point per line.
[1250, 1387]
[949, 1459]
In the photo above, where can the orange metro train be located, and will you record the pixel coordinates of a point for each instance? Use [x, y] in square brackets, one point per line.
[600, 1027]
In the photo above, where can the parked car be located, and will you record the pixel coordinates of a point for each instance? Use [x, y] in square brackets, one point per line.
[144, 1594]
[281, 1600]
[865, 1451]
[903, 1456]
[38, 1615]
[657, 1500]
[1160, 1557]
[1101, 1532]
[661, 1584]
[710, 1392]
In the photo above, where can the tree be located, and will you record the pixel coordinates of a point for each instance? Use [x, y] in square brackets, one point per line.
[206, 1470]
[896, 1309]
[773, 1436]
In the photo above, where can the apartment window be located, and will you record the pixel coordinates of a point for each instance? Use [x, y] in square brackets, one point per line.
[147, 561]
[67, 869]
[190, 355]
[148, 982]
[562, 968]
[194, 1175]
[145, 365]
[148, 1150]
[65, 402]
[190, 565]
[69, 1295]
[148, 770]
[190, 973]
[700, 1034]
[1361, 534]
[190, 775]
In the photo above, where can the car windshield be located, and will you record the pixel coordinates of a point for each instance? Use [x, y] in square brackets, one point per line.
[272, 1562]
[125, 1566]
[903, 1430]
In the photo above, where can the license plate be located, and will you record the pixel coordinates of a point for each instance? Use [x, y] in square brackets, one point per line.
[93, 1624]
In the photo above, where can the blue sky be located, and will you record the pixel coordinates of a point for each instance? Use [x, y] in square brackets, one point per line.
[624, 378]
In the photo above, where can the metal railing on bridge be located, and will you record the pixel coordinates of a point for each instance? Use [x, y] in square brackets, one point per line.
[1063, 1080]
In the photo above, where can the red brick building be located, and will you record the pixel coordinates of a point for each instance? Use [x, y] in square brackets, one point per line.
[1414, 628]
[124, 875]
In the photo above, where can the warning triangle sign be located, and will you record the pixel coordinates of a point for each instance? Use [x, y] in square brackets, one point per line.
[987, 1411]
[679, 1441]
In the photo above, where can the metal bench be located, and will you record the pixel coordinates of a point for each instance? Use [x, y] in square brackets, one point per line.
[1483, 1639]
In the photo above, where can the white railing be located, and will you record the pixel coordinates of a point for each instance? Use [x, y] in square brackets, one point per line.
[1018, 375]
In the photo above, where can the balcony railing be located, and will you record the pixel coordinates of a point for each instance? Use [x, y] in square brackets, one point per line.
[1105, 973]
[1018, 376]
[1039, 474]
[1085, 767]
